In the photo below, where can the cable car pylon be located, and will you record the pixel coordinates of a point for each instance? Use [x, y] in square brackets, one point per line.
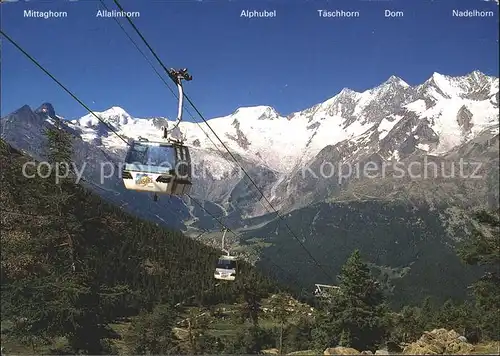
[324, 290]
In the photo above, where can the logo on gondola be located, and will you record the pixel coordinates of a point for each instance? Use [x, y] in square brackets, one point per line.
[143, 179]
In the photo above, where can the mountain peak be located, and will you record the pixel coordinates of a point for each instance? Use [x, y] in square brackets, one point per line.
[23, 109]
[116, 110]
[436, 75]
[114, 115]
[396, 80]
[442, 86]
[392, 84]
[436, 79]
[477, 75]
[477, 72]
[46, 109]
[261, 112]
[347, 91]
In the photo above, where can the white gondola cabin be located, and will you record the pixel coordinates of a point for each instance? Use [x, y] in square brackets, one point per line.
[226, 268]
[158, 167]
[161, 167]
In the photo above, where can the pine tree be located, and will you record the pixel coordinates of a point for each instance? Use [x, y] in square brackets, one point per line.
[358, 309]
[198, 341]
[251, 340]
[345, 339]
[449, 316]
[482, 248]
[409, 324]
[250, 305]
[298, 336]
[281, 313]
[427, 315]
[152, 333]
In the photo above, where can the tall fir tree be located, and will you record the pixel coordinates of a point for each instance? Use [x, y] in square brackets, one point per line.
[298, 335]
[198, 341]
[152, 333]
[251, 304]
[409, 326]
[357, 311]
[427, 315]
[482, 248]
[281, 312]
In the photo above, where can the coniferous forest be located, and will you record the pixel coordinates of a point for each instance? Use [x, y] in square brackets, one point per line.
[81, 276]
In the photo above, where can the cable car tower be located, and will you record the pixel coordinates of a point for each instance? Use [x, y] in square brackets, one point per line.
[226, 267]
[324, 290]
[162, 167]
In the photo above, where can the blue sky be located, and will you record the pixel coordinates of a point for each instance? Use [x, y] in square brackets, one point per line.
[290, 62]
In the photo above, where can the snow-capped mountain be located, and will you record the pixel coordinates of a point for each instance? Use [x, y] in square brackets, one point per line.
[264, 137]
[392, 121]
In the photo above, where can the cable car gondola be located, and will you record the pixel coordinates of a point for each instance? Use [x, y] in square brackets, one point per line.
[158, 167]
[227, 266]
[161, 167]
